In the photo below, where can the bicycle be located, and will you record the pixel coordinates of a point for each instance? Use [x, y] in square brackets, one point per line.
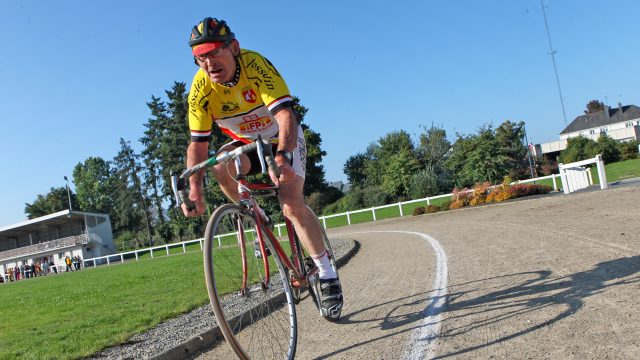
[255, 311]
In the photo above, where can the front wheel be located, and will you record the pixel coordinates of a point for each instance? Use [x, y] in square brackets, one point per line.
[258, 322]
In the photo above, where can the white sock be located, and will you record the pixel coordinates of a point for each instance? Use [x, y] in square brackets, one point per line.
[324, 266]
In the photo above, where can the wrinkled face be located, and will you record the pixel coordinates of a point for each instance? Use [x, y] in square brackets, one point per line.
[220, 64]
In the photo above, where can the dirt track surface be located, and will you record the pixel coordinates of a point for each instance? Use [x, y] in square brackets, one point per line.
[555, 277]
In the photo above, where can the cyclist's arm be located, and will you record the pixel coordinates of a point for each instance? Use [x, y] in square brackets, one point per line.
[196, 153]
[287, 141]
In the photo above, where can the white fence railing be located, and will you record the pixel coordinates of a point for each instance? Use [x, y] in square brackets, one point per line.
[121, 257]
[576, 175]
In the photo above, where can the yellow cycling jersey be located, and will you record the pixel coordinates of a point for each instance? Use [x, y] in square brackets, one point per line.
[242, 111]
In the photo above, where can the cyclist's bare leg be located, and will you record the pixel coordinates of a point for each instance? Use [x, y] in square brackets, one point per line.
[293, 207]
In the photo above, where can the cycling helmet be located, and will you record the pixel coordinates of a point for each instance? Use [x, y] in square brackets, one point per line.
[210, 34]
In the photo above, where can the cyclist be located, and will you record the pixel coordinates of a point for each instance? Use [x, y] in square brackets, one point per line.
[244, 94]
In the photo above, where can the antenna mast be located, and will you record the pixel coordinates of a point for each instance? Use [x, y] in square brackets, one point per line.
[553, 58]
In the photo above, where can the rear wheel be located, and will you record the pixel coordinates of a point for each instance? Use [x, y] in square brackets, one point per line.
[258, 322]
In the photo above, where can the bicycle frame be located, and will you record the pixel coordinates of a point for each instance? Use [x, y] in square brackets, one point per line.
[246, 198]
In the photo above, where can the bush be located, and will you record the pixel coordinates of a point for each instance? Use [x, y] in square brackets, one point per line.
[317, 201]
[608, 148]
[359, 199]
[461, 198]
[547, 166]
[579, 148]
[430, 209]
[480, 192]
[423, 183]
[521, 190]
[628, 150]
[418, 211]
[445, 205]
[501, 192]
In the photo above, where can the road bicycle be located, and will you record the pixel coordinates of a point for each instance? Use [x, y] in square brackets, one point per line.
[254, 310]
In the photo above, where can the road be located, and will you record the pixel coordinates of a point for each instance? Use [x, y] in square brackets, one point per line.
[553, 277]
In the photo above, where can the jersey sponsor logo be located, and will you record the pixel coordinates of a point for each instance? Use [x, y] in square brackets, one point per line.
[249, 95]
[264, 72]
[228, 107]
[253, 124]
[196, 98]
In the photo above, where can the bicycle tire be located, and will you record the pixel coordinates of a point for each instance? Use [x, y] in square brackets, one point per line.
[259, 322]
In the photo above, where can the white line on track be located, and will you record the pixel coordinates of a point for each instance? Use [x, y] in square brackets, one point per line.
[422, 343]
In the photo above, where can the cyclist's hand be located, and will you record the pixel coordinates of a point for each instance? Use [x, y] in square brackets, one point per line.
[198, 200]
[286, 173]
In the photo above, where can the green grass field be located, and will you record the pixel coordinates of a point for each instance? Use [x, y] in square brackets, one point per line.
[618, 171]
[384, 213]
[76, 314]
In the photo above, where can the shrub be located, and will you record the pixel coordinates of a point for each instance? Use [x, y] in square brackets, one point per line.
[628, 150]
[461, 197]
[359, 199]
[445, 205]
[418, 211]
[547, 166]
[480, 192]
[608, 147]
[501, 192]
[430, 209]
[423, 183]
[521, 190]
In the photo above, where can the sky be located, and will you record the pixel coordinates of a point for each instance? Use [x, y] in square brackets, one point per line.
[75, 76]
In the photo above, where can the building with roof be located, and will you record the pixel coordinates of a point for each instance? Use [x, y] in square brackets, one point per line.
[54, 237]
[621, 123]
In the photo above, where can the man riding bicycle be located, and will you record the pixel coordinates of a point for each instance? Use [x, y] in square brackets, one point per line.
[243, 93]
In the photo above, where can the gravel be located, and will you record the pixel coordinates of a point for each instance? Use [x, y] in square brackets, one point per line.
[178, 337]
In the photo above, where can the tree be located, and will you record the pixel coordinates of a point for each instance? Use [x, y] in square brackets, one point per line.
[478, 158]
[432, 151]
[398, 171]
[510, 139]
[578, 148]
[594, 106]
[151, 156]
[131, 199]
[94, 185]
[55, 200]
[380, 168]
[424, 183]
[609, 149]
[354, 168]
[433, 147]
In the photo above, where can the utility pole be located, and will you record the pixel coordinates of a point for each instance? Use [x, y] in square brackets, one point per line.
[68, 194]
[553, 58]
[528, 151]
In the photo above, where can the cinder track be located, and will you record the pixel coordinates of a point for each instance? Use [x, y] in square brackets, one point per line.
[554, 277]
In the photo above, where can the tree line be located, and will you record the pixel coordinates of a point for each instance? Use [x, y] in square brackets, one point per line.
[134, 187]
[397, 167]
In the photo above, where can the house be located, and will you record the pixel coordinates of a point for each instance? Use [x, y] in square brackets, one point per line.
[621, 123]
[55, 236]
